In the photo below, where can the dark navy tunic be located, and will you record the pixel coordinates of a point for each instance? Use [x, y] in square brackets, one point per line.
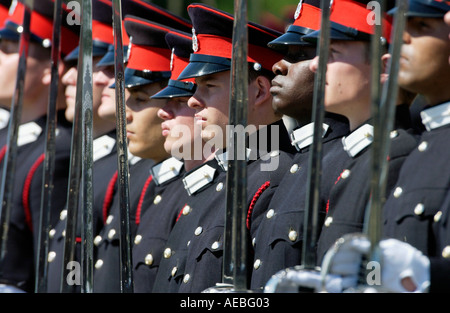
[104, 168]
[107, 243]
[162, 209]
[193, 256]
[417, 208]
[350, 194]
[19, 265]
[278, 241]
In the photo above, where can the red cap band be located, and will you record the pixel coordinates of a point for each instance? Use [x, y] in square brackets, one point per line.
[149, 58]
[42, 27]
[309, 17]
[354, 14]
[222, 47]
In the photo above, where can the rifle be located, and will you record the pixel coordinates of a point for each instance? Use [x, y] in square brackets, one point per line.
[49, 161]
[126, 265]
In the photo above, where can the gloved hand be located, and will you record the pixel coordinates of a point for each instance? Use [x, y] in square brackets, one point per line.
[400, 260]
[292, 279]
[10, 289]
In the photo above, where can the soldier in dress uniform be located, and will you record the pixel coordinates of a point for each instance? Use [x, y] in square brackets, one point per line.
[4, 113]
[278, 241]
[415, 222]
[349, 196]
[104, 142]
[147, 72]
[19, 264]
[181, 135]
[193, 256]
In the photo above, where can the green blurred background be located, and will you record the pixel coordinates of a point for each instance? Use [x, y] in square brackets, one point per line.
[276, 14]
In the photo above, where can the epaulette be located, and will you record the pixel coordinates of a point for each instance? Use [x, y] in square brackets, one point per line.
[166, 170]
[358, 140]
[303, 137]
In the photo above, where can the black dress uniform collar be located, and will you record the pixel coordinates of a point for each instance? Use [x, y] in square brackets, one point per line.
[166, 170]
[436, 116]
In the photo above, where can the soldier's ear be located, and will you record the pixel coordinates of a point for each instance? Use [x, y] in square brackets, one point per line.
[47, 76]
[262, 89]
[384, 70]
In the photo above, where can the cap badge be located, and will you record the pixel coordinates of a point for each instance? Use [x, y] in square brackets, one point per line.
[299, 9]
[12, 8]
[194, 41]
[171, 59]
[129, 48]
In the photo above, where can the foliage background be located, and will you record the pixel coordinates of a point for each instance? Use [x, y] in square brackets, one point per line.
[276, 14]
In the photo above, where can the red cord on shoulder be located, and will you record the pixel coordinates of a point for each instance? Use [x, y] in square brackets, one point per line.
[253, 202]
[26, 190]
[109, 196]
[141, 199]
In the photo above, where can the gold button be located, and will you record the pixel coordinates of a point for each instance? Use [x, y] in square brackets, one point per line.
[328, 221]
[111, 233]
[186, 278]
[186, 209]
[219, 186]
[423, 146]
[167, 253]
[293, 235]
[97, 240]
[345, 174]
[215, 245]
[294, 168]
[446, 252]
[63, 215]
[98, 264]
[137, 239]
[52, 233]
[257, 264]
[394, 134]
[174, 271]
[198, 231]
[270, 213]
[109, 219]
[437, 216]
[148, 259]
[51, 256]
[253, 241]
[419, 209]
[398, 192]
[157, 199]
